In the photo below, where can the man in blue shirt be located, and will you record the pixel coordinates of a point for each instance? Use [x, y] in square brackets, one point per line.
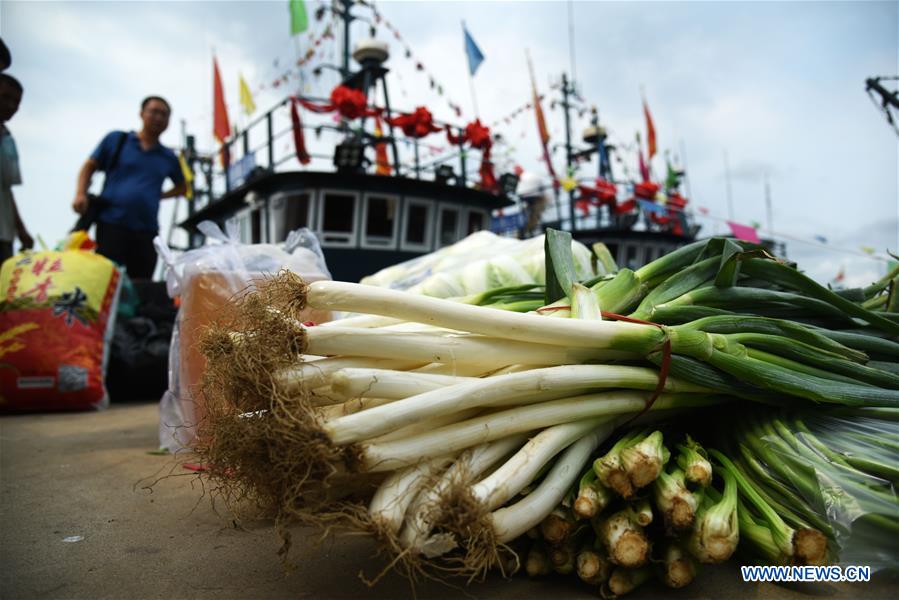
[136, 166]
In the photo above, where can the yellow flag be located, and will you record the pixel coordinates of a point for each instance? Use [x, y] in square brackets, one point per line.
[188, 176]
[246, 98]
[568, 183]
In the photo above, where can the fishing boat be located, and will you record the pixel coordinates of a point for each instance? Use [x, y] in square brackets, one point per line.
[382, 202]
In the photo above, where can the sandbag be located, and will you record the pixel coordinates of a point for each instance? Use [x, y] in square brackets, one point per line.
[56, 319]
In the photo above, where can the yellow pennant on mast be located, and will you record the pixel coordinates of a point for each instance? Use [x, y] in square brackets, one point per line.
[246, 97]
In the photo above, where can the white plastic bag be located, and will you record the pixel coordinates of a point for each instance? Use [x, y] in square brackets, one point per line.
[204, 279]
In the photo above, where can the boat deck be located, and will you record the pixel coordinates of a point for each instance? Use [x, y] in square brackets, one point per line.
[85, 475]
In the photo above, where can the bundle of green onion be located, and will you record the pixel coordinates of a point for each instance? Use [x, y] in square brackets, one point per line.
[452, 429]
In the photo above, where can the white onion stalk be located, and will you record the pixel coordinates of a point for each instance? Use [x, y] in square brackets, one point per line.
[384, 383]
[512, 521]
[426, 507]
[426, 426]
[349, 407]
[312, 374]
[522, 468]
[361, 321]
[489, 352]
[456, 437]
[493, 390]
[336, 295]
[389, 503]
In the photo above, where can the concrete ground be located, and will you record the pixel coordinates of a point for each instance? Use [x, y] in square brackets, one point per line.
[83, 477]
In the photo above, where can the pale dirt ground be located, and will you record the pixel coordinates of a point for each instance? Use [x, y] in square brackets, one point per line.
[83, 474]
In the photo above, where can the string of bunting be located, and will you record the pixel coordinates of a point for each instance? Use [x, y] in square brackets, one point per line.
[507, 120]
[433, 82]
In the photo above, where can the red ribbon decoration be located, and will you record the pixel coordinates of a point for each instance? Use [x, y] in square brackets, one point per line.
[478, 136]
[664, 368]
[646, 190]
[417, 124]
[350, 103]
[299, 140]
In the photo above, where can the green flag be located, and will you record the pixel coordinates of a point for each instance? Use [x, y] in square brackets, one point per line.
[298, 20]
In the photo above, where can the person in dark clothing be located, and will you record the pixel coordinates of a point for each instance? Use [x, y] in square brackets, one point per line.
[11, 225]
[136, 166]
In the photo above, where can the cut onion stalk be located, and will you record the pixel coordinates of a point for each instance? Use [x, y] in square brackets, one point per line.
[641, 512]
[537, 563]
[611, 472]
[557, 527]
[804, 546]
[716, 531]
[644, 460]
[625, 581]
[593, 566]
[624, 540]
[692, 461]
[592, 496]
[678, 567]
[677, 504]
[563, 557]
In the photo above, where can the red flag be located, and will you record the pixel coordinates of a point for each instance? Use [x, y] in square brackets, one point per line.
[541, 127]
[221, 128]
[644, 169]
[650, 131]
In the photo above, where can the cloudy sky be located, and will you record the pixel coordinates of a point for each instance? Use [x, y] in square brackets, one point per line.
[777, 86]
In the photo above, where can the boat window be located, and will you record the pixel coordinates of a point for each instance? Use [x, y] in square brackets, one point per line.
[339, 210]
[287, 212]
[448, 230]
[337, 222]
[380, 220]
[476, 221]
[417, 234]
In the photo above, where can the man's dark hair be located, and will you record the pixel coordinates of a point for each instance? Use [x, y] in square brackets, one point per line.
[149, 99]
[11, 81]
[5, 56]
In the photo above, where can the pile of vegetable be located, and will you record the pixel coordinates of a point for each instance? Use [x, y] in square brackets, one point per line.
[638, 422]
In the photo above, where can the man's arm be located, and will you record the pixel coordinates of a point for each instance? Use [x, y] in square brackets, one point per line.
[79, 205]
[179, 190]
[21, 231]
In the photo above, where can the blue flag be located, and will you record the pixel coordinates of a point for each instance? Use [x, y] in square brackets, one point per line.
[652, 207]
[475, 56]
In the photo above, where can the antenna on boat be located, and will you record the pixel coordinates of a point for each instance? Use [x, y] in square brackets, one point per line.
[730, 196]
